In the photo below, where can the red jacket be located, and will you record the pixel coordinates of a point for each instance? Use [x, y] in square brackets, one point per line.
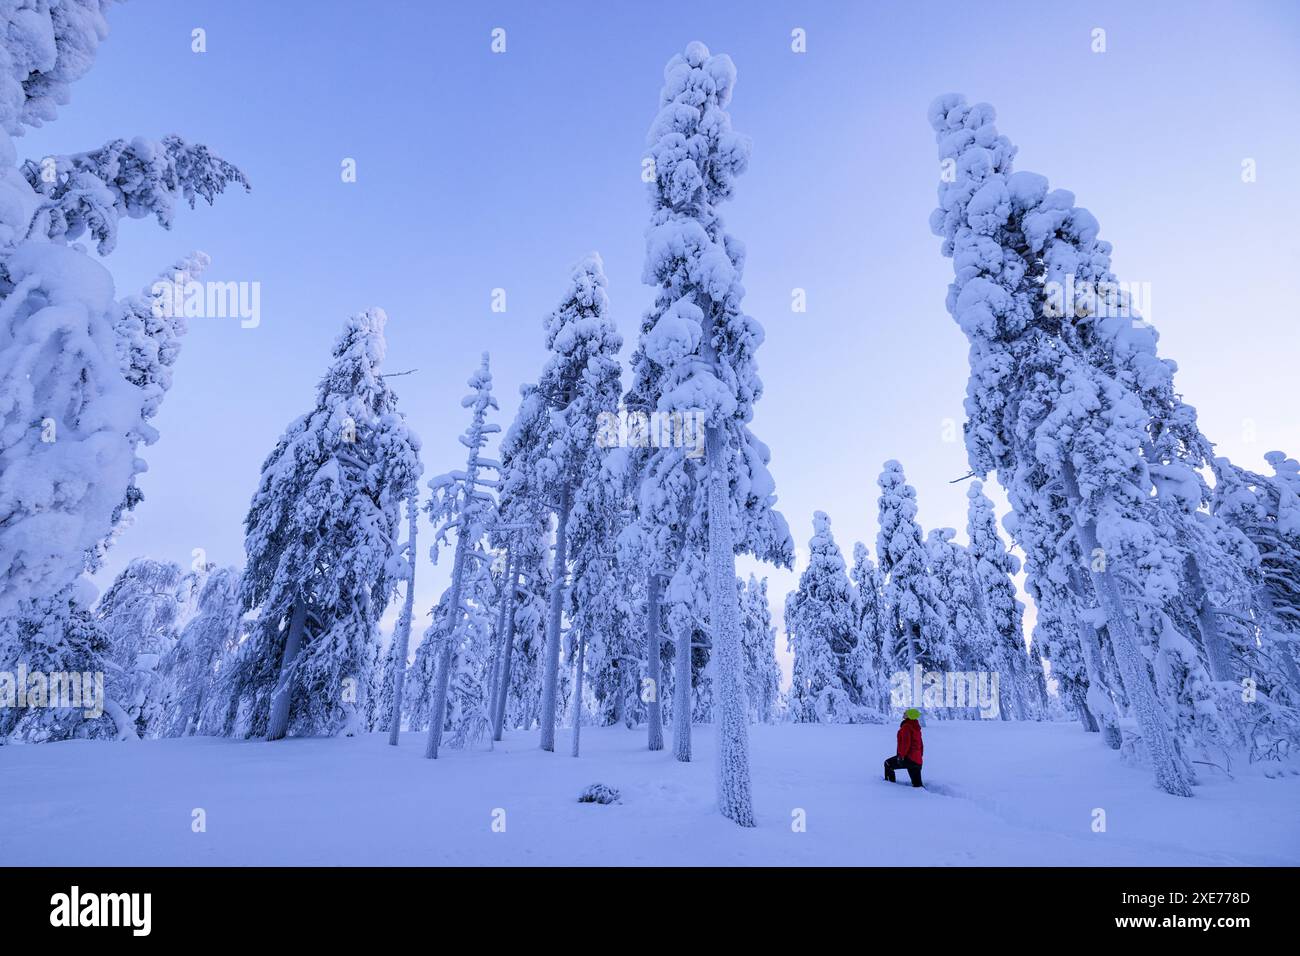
[909, 741]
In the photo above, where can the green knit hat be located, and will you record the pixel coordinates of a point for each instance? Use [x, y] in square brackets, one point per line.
[912, 713]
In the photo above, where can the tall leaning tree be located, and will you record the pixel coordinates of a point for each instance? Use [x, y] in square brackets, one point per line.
[322, 535]
[1048, 419]
[704, 346]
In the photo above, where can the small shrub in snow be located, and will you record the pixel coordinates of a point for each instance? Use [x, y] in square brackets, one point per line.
[599, 793]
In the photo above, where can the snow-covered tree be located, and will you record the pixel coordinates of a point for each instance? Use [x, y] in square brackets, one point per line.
[60, 635]
[819, 618]
[579, 382]
[996, 603]
[462, 503]
[762, 672]
[469, 670]
[704, 345]
[1040, 413]
[598, 608]
[69, 412]
[869, 667]
[393, 686]
[139, 615]
[652, 543]
[916, 619]
[523, 533]
[966, 632]
[1266, 511]
[190, 668]
[322, 536]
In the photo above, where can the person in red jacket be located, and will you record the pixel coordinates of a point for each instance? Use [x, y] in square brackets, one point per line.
[910, 748]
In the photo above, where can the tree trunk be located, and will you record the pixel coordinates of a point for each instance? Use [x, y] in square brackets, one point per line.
[1099, 700]
[503, 602]
[507, 653]
[1040, 684]
[731, 724]
[654, 722]
[402, 633]
[1128, 652]
[1217, 652]
[620, 694]
[278, 725]
[682, 695]
[442, 674]
[551, 653]
[577, 694]
[1084, 711]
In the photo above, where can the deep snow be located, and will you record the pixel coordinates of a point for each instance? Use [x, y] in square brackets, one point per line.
[999, 793]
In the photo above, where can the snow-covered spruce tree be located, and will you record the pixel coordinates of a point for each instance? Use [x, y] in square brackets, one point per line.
[966, 630]
[870, 667]
[1266, 510]
[614, 652]
[462, 504]
[814, 670]
[68, 411]
[61, 636]
[597, 605]
[523, 701]
[322, 533]
[1208, 586]
[469, 711]
[393, 687]
[916, 618]
[147, 344]
[1040, 414]
[666, 542]
[189, 669]
[996, 602]
[652, 543]
[579, 382]
[139, 614]
[523, 534]
[1204, 589]
[1059, 245]
[417, 695]
[819, 616]
[704, 344]
[762, 672]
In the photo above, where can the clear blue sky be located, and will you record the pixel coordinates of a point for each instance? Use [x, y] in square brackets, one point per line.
[479, 170]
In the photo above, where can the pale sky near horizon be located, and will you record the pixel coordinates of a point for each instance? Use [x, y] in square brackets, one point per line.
[479, 170]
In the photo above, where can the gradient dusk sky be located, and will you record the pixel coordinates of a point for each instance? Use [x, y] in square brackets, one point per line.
[478, 170]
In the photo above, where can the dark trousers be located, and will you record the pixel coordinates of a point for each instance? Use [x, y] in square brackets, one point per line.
[902, 763]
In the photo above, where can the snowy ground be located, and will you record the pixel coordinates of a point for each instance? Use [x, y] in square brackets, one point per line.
[999, 793]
